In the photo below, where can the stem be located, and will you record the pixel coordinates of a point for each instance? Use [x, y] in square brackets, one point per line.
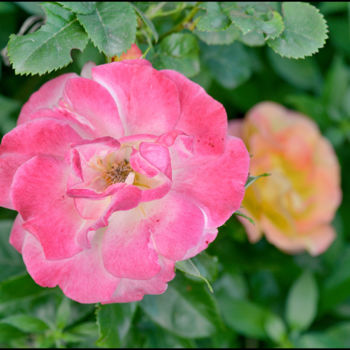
[183, 23]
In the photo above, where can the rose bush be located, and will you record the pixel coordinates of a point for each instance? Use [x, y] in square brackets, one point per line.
[116, 175]
[293, 206]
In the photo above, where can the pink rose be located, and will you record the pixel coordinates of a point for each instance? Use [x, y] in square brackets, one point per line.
[295, 205]
[116, 177]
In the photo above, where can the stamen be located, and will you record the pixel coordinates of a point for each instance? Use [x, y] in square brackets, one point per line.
[118, 172]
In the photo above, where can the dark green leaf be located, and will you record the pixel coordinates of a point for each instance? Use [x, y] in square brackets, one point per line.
[111, 27]
[48, 48]
[10, 261]
[114, 322]
[305, 31]
[302, 301]
[303, 74]
[26, 323]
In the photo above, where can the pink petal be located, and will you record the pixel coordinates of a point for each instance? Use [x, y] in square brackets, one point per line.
[215, 182]
[46, 97]
[81, 277]
[177, 225]
[9, 163]
[127, 249]
[40, 136]
[17, 234]
[39, 194]
[131, 290]
[201, 115]
[148, 102]
[95, 105]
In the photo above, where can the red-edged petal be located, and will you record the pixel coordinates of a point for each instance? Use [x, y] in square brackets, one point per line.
[201, 115]
[216, 183]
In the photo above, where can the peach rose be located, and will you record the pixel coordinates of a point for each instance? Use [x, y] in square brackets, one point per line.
[293, 206]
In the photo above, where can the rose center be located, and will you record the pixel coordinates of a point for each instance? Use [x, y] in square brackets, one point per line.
[117, 172]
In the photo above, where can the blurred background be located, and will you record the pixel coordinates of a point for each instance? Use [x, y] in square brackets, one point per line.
[262, 296]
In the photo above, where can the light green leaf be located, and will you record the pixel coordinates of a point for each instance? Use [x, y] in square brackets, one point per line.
[230, 65]
[256, 19]
[222, 37]
[111, 27]
[251, 179]
[81, 7]
[301, 307]
[48, 48]
[179, 52]
[26, 323]
[213, 19]
[148, 23]
[114, 322]
[185, 309]
[189, 268]
[275, 328]
[238, 213]
[32, 7]
[305, 31]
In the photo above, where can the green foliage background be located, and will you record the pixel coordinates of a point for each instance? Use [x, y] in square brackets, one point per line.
[241, 53]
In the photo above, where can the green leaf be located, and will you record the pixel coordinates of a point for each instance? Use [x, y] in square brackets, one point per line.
[275, 328]
[230, 65]
[305, 31]
[336, 288]
[10, 260]
[186, 309]
[213, 19]
[114, 322]
[9, 110]
[238, 213]
[63, 313]
[223, 37]
[255, 18]
[48, 48]
[178, 51]
[17, 288]
[250, 319]
[26, 323]
[303, 74]
[148, 23]
[111, 27]
[32, 7]
[80, 7]
[188, 267]
[301, 307]
[251, 179]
